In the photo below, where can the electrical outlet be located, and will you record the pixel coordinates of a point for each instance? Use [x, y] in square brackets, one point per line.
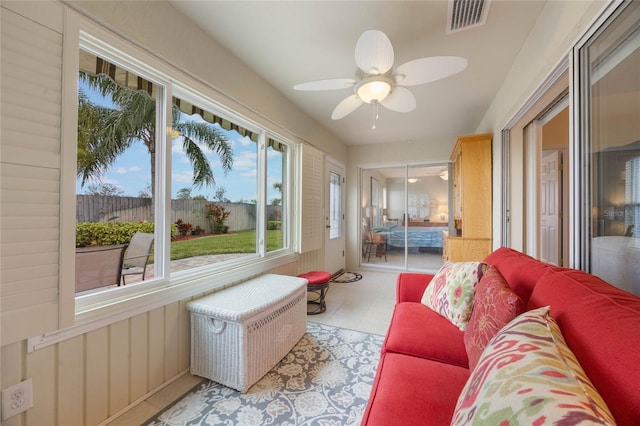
[17, 398]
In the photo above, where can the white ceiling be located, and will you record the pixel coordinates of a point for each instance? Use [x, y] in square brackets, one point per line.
[292, 42]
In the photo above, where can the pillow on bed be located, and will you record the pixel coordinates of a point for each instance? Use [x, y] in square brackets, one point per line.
[450, 293]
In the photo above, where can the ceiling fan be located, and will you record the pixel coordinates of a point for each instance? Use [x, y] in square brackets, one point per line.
[377, 83]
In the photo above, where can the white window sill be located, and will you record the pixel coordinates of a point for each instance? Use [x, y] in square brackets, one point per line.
[96, 312]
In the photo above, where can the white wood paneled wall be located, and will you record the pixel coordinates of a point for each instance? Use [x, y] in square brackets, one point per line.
[311, 198]
[89, 378]
[31, 111]
[92, 377]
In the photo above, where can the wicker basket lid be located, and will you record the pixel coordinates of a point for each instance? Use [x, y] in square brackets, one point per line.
[249, 298]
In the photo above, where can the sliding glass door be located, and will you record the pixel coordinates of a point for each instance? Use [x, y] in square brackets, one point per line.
[405, 211]
[611, 150]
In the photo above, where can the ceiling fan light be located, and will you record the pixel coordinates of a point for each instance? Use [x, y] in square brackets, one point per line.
[373, 90]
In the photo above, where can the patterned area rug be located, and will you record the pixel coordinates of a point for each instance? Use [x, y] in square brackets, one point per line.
[346, 277]
[325, 380]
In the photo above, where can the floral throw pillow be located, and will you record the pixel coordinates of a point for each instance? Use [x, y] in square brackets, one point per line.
[450, 292]
[494, 306]
[527, 375]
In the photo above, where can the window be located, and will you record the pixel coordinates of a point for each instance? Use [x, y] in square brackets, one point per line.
[611, 149]
[116, 196]
[212, 191]
[214, 187]
[277, 203]
[335, 205]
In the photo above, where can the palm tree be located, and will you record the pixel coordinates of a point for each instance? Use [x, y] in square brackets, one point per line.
[104, 132]
[278, 187]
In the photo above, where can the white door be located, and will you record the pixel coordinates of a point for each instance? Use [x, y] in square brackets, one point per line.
[550, 213]
[334, 245]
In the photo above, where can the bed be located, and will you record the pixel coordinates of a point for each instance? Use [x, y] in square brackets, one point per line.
[428, 236]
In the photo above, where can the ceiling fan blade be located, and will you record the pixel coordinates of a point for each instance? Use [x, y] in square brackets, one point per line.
[329, 84]
[400, 100]
[346, 107]
[426, 70]
[374, 53]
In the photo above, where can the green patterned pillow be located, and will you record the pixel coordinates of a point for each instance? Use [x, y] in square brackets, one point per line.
[450, 292]
[528, 375]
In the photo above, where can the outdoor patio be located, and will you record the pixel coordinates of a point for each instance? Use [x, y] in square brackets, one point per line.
[176, 265]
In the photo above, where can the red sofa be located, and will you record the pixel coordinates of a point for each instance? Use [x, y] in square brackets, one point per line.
[424, 366]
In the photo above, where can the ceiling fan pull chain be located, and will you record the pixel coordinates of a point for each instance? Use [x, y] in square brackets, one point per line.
[375, 114]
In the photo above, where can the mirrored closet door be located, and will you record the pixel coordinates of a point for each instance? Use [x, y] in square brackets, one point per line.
[404, 214]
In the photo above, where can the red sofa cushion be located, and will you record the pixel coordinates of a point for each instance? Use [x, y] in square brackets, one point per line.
[410, 391]
[410, 286]
[419, 331]
[601, 325]
[521, 271]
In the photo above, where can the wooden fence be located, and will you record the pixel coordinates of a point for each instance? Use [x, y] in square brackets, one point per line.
[98, 208]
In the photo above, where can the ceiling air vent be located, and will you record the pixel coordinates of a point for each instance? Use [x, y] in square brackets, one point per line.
[465, 14]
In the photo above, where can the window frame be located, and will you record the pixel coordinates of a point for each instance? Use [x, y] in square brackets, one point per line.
[582, 148]
[103, 308]
[287, 200]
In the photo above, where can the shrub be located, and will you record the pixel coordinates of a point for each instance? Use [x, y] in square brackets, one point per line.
[217, 213]
[110, 233]
[219, 228]
[184, 228]
[274, 225]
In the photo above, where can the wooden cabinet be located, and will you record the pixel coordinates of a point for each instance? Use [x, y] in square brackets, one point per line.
[472, 201]
[445, 246]
[462, 249]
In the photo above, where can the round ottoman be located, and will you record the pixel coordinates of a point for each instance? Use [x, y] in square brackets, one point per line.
[318, 286]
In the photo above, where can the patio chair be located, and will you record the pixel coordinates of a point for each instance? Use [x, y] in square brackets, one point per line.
[98, 266]
[137, 255]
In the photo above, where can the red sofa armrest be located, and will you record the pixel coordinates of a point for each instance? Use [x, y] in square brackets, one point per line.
[410, 286]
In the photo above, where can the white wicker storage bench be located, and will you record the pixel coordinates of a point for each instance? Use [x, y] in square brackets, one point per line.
[238, 334]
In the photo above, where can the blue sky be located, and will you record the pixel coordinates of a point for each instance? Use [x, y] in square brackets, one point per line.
[132, 171]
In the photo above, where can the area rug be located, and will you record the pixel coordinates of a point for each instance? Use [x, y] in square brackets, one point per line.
[325, 380]
[346, 277]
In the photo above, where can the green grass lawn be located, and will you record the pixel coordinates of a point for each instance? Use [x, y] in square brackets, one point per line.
[236, 242]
